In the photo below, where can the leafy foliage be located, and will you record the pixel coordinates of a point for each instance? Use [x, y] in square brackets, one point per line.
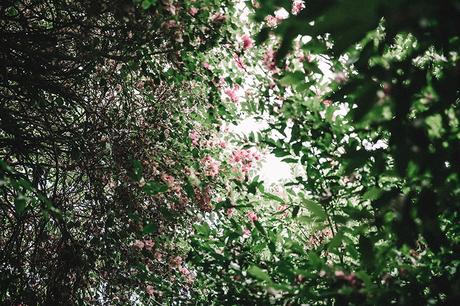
[120, 183]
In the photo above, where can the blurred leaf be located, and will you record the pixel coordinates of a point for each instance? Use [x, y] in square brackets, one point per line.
[367, 252]
[149, 228]
[20, 203]
[315, 208]
[271, 196]
[152, 188]
[258, 273]
[137, 170]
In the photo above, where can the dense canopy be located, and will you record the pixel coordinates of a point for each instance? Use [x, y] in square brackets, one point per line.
[142, 144]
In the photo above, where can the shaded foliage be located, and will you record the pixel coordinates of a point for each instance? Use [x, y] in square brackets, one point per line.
[90, 94]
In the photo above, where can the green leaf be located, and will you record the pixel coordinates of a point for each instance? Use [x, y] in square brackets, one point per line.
[316, 209]
[203, 229]
[137, 170]
[372, 194]
[148, 3]
[279, 152]
[290, 160]
[271, 196]
[20, 203]
[260, 228]
[295, 211]
[292, 78]
[336, 241]
[149, 228]
[366, 249]
[152, 188]
[258, 273]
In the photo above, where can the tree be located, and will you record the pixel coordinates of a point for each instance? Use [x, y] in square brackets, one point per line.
[372, 217]
[94, 98]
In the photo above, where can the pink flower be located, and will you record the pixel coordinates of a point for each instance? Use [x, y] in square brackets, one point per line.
[239, 63]
[327, 102]
[297, 6]
[269, 60]
[169, 24]
[184, 271]
[169, 6]
[231, 93]
[158, 256]
[247, 41]
[272, 21]
[252, 216]
[206, 65]
[149, 290]
[340, 77]
[246, 233]
[222, 144]
[230, 212]
[149, 244]
[339, 274]
[193, 11]
[171, 182]
[218, 17]
[246, 168]
[211, 166]
[168, 179]
[138, 244]
[194, 136]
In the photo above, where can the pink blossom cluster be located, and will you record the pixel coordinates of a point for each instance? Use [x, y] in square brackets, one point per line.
[222, 144]
[273, 21]
[158, 256]
[169, 6]
[351, 278]
[232, 93]
[340, 77]
[147, 244]
[195, 137]
[297, 6]
[169, 24]
[269, 60]
[247, 41]
[193, 11]
[255, 4]
[171, 182]
[244, 158]
[187, 274]
[252, 216]
[239, 62]
[211, 166]
[218, 17]
[150, 290]
[184, 271]
[214, 144]
[246, 233]
[230, 212]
